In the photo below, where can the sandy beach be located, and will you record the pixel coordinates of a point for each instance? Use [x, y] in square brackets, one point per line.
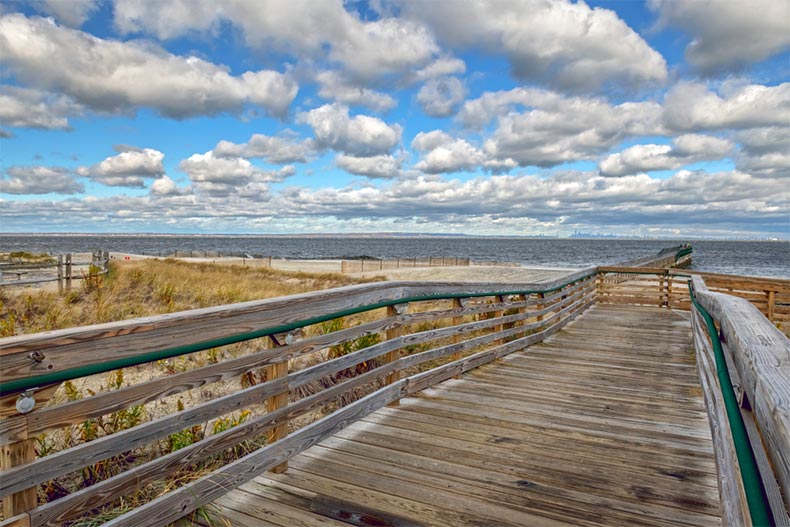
[474, 273]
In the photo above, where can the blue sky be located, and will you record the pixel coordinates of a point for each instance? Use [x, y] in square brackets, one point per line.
[663, 118]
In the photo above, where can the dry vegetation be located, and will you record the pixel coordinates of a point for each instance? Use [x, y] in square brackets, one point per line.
[142, 288]
[149, 287]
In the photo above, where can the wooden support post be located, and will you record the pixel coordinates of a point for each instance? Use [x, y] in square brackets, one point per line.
[522, 310]
[670, 280]
[771, 304]
[498, 314]
[60, 273]
[662, 301]
[540, 306]
[14, 455]
[68, 272]
[392, 356]
[276, 371]
[457, 304]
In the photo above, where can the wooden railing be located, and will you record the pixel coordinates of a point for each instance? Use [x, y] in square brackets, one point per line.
[669, 288]
[405, 337]
[744, 366]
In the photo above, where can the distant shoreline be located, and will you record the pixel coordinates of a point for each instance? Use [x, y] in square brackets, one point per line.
[377, 235]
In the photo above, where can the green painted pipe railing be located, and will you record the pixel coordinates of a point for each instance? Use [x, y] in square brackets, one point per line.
[20, 385]
[756, 497]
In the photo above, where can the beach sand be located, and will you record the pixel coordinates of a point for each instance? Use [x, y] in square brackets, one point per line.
[474, 273]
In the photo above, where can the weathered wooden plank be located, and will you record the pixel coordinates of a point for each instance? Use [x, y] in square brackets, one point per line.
[504, 487]
[56, 512]
[54, 417]
[187, 498]
[762, 357]
[20, 520]
[277, 400]
[15, 457]
[52, 466]
[393, 356]
[733, 499]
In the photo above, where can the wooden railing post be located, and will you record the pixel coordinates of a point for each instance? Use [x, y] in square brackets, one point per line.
[68, 272]
[498, 314]
[541, 305]
[662, 296]
[393, 333]
[13, 455]
[277, 371]
[670, 280]
[457, 303]
[771, 303]
[60, 273]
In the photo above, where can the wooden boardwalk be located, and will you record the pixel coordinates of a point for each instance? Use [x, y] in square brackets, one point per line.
[602, 424]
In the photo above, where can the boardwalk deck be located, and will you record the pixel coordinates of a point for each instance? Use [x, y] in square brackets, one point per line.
[602, 424]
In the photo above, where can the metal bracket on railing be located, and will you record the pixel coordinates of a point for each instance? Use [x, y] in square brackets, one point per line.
[25, 403]
[400, 308]
[285, 338]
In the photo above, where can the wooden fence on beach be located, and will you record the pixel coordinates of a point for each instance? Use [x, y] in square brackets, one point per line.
[365, 265]
[63, 270]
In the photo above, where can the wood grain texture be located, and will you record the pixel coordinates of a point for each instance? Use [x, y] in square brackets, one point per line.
[762, 357]
[57, 512]
[734, 508]
[474, 452]
[76, 347]
[63, 462]
[187, 498]
[277, 401]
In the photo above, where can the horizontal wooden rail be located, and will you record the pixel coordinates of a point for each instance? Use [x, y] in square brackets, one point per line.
[757, 365]
[484, 323]
[667, 287]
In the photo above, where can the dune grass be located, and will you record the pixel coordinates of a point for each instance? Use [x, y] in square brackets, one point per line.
[149, 287]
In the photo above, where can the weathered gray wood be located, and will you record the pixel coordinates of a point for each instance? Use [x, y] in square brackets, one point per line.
[76, 347]
[54, 417]
[733, 503]
[55, 513]
[346, 361]
[63, 462]
[762, 357]
[187, 498]
[419, 382]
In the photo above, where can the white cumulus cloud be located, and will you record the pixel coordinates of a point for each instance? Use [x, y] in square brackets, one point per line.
[728, 34]
[224, 176]
[360, 136]
[335, 86]
[39, 180]
[567, 44]
[129, 168]
[29, 108]
[381, 166]
[112, 76]
[685, 149]
[274, 149]
[440, 97]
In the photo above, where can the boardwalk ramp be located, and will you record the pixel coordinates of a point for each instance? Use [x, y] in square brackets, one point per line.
[601, 424]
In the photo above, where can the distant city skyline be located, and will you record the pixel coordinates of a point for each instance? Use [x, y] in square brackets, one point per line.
[658, 119]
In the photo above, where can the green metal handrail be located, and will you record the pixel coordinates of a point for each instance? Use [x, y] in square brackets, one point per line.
[20, 385]
[756, 497]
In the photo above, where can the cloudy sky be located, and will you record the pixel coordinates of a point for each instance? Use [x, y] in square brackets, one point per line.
[511, 117]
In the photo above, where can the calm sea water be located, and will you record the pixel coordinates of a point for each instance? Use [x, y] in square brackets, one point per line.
[754, 258]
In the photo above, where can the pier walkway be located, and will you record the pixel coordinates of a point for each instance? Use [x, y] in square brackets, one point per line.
[602, 424]
[624, 395]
